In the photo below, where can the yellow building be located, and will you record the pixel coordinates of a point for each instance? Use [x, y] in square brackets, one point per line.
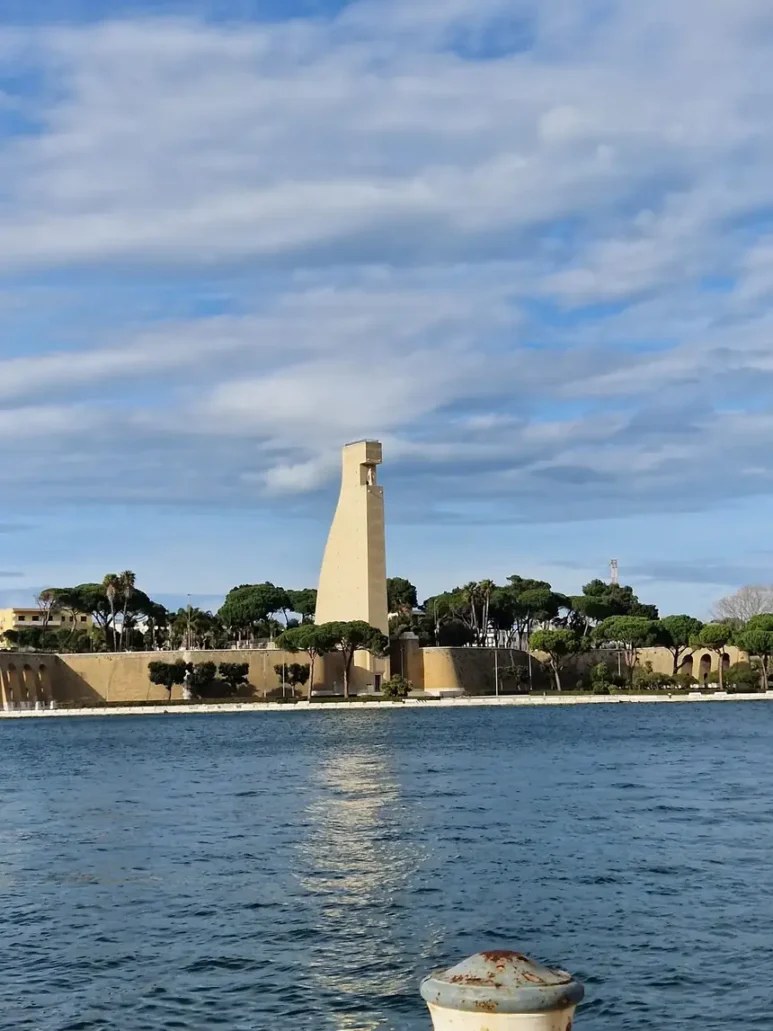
[29, 619]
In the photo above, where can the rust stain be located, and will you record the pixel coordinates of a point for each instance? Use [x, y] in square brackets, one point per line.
[475, 982]
[486, 1005]
[503, 956]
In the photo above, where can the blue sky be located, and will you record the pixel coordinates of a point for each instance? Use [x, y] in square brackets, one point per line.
[528, 245]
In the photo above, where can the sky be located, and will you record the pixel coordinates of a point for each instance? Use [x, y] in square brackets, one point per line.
[528, 244]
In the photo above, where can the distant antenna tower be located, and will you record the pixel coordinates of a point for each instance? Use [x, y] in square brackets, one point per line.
[613, 573]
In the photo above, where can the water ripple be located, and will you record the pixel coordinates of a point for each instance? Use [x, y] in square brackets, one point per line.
[306, 871]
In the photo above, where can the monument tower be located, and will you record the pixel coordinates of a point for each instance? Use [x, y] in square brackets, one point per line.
[352, 582]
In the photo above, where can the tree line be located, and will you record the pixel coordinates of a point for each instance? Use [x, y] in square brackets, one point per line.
[530, 615]
[482, 612]
[125, 618]
[315, 640]
[681, 635]
[522, 613]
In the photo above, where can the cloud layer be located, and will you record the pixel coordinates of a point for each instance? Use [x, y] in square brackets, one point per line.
[527, 244]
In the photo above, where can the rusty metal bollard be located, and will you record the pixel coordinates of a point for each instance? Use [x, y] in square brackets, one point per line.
[501, 991]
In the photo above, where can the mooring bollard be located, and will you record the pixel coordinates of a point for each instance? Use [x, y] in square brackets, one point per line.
[501, 991]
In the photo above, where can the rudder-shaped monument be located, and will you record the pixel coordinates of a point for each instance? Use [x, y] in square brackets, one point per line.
[352, 581]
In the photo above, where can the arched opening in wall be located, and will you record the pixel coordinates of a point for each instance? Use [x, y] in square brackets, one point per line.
[13, 690]
[705, 668]
[44, 684]
[725, 661]
[17, 685]
[686, 666]
[29, 682]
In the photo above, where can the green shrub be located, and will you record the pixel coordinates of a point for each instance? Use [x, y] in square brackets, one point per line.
[600, 678]
[167, 674]
[293, 674]
[684, 682]
[646, 679]
[397, 687]
[454, 635]
[742, 677]
[514, 679]
[201, 678]
[234, 674]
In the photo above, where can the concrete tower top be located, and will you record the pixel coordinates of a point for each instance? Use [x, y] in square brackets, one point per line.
[360, 459]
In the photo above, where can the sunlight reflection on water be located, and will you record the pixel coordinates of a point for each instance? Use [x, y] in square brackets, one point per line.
[355, 865]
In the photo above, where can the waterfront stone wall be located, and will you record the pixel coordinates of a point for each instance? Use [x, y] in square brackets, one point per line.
[700, 664]
[476, 670]
[30, 679]
[121, 678]
[472, 670]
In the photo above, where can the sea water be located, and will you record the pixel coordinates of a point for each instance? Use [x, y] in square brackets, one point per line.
[305, 870]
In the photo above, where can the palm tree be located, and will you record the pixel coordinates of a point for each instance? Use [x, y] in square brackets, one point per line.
[126, 582]
[111, 583]
[470, 593]
[485, 587]
[195, 628]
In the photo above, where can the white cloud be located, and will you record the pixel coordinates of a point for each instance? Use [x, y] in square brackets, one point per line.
[303, 476]
[34, 423]
[147, 353]
[172, 142]
[410, 230]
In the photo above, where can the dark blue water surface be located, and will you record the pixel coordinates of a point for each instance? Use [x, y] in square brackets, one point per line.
[303, 871]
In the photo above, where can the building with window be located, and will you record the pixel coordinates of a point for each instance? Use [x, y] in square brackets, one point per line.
[27, 619]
